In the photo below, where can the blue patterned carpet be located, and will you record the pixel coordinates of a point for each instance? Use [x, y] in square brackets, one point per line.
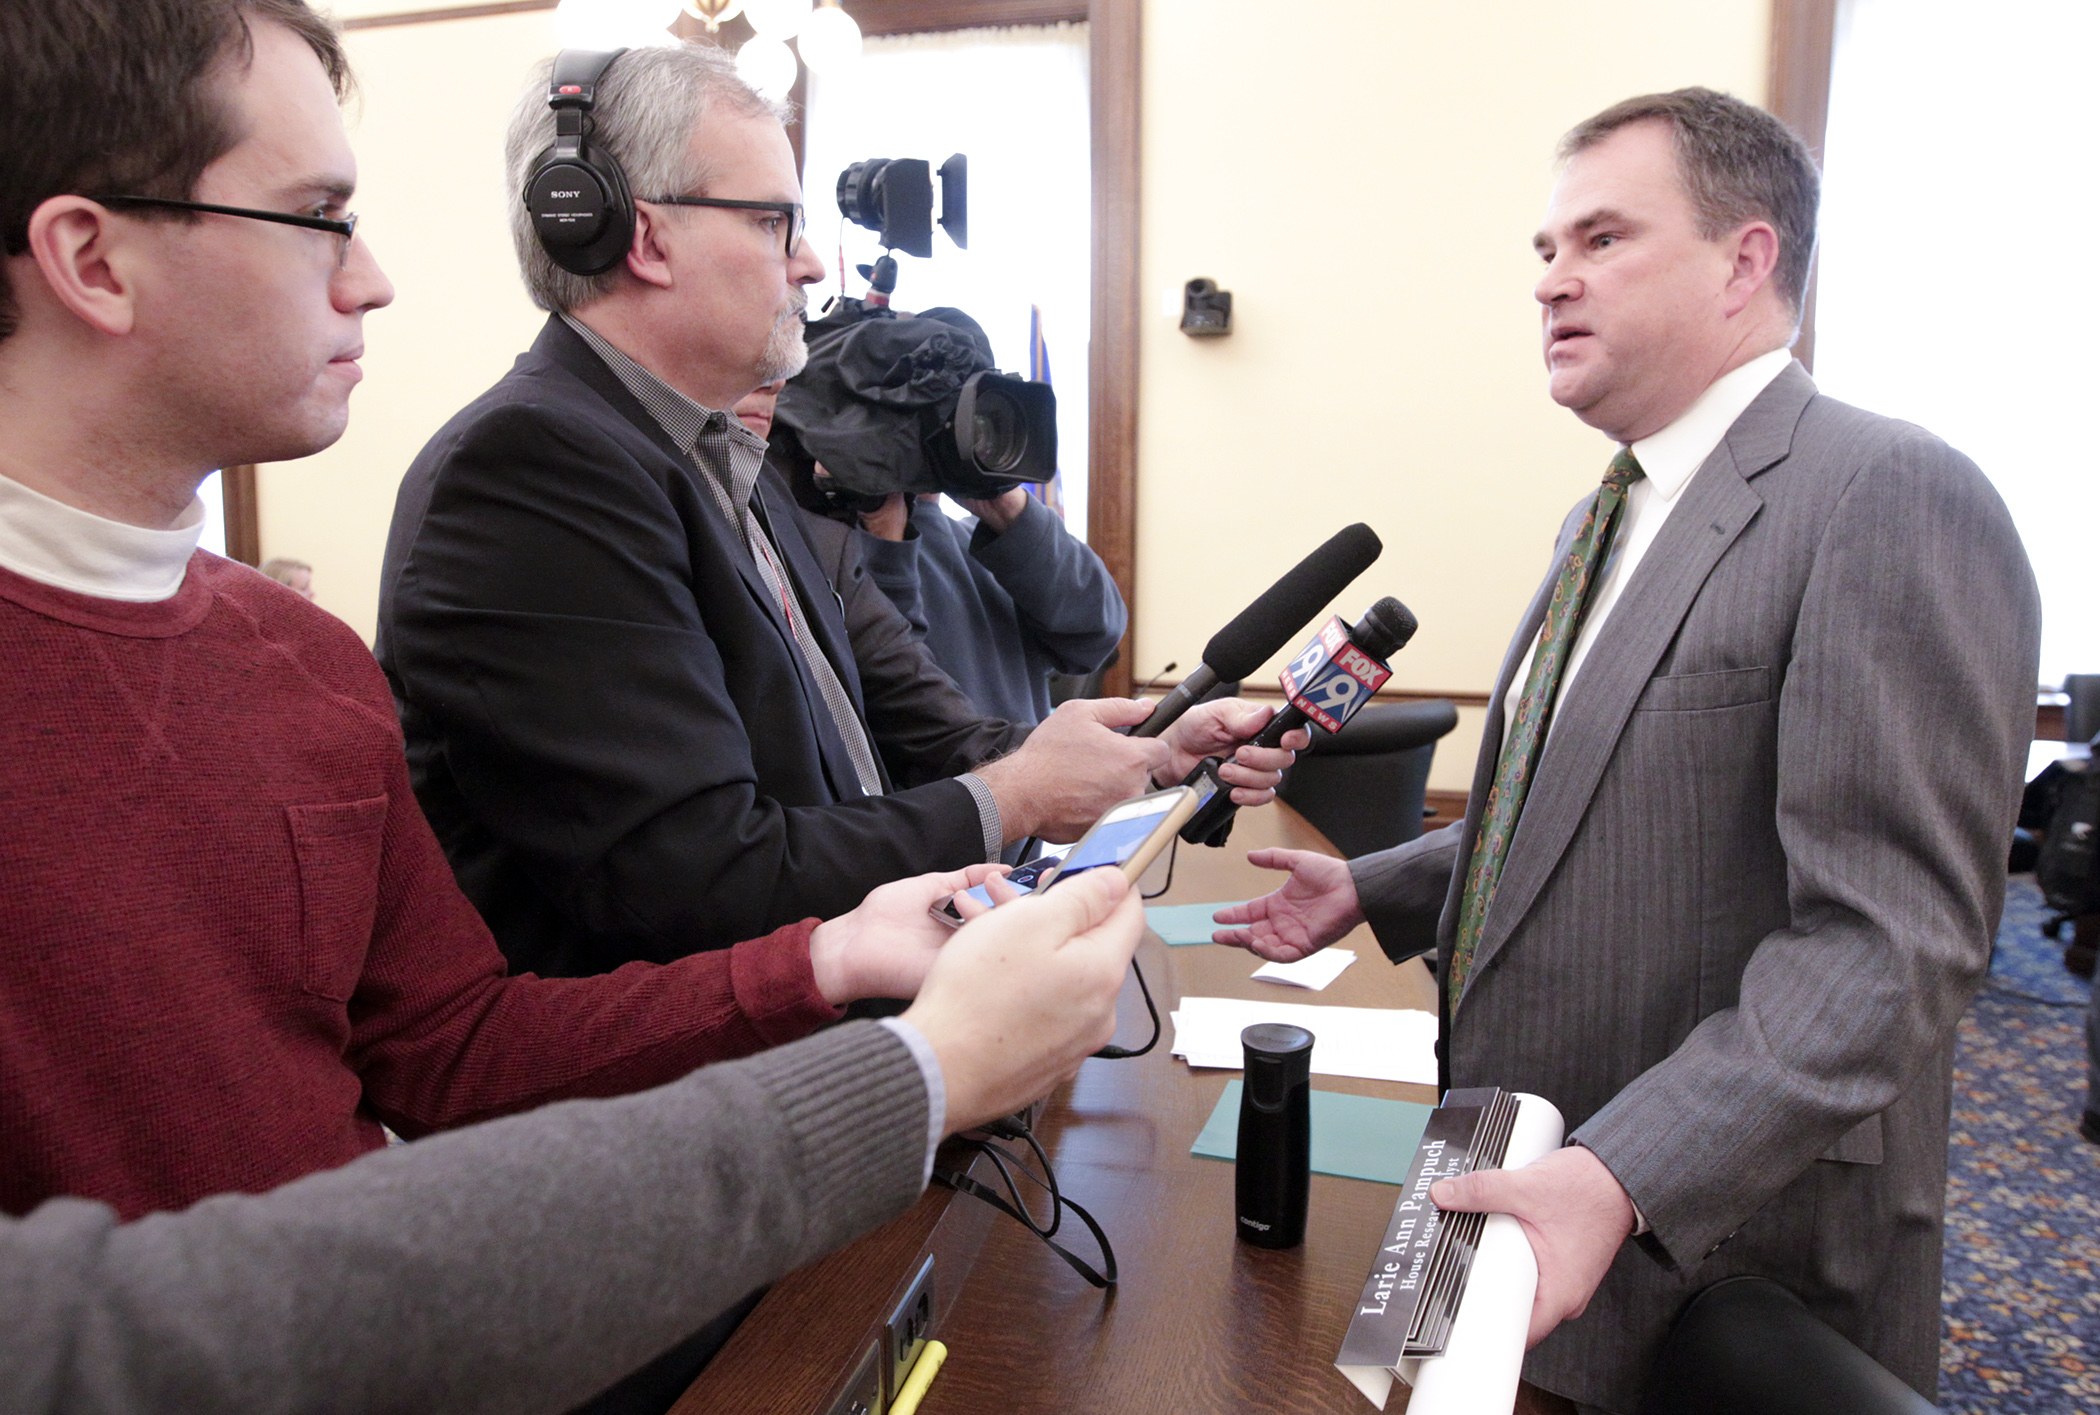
[2022, 1285]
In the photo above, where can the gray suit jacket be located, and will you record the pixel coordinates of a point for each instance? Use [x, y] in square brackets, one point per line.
[1757, 878]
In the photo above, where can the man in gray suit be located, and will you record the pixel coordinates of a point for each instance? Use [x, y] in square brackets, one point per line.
[1735, 913]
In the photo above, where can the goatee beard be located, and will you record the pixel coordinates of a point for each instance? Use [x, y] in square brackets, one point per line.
[785, 353]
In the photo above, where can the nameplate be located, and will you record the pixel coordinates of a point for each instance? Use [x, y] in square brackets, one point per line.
[1418, 1275]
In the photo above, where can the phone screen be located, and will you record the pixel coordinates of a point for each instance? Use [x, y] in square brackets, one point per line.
[1113, 841]
[1115, 838]
[1024, 878]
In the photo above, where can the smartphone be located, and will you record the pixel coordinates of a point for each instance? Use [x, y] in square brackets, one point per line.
[1130, 836]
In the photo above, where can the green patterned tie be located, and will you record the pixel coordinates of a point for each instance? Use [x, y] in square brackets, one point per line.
[1526, 735]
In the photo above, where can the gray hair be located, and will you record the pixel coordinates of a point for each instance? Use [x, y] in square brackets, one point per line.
[648, 105]
[1739, 164]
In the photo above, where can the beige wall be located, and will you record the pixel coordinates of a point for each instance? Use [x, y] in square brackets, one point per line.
[428, 130]
[1367, 195]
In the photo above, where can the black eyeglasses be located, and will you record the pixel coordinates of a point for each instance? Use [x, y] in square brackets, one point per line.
[796, 220]
[343, 228]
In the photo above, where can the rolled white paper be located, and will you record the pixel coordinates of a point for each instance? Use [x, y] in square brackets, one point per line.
[1484, 1356]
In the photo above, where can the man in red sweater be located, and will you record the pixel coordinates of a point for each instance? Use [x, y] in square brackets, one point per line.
[229, 947]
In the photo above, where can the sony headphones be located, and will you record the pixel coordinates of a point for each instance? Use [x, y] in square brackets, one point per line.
[577, 194]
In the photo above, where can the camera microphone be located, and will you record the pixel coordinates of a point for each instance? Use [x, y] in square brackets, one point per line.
[1331, 678]
[1266, 625]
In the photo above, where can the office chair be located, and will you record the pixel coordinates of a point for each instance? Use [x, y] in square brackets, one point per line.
[1747, 1346]
[1362, 787]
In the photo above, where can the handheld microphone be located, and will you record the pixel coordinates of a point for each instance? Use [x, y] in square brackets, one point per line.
[1266, 625]
[1330, 679]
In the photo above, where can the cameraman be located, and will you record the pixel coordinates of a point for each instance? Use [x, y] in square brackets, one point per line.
[1002, 603]
[895, 410]
[999, 606]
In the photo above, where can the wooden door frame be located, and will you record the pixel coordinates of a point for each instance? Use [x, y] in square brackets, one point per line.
[1797, 91]
[243, 523]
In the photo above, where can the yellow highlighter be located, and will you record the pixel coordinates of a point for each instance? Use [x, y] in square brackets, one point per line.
[923, 1371]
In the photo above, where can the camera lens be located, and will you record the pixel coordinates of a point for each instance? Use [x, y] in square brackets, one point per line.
[860, 192]
[999, 432]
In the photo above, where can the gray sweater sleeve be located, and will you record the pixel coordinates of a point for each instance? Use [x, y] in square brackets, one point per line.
[520, 1265]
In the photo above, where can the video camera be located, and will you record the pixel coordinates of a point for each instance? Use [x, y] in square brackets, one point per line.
[910, 404]
[895, 403]
[893, 197]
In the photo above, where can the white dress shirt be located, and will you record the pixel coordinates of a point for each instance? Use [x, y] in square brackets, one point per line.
[1668, 459]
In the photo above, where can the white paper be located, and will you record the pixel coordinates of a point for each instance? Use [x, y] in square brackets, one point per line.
[1373, 1043]
[1313, 973]
[1477, 1374]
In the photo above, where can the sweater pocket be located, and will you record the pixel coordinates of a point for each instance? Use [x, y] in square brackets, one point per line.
[337, 846]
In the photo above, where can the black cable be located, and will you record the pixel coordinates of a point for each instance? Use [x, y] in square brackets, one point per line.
[1103, 1277]
[962, 1182]
[1013, 1128]
[1116, 1053]
[1173, 854]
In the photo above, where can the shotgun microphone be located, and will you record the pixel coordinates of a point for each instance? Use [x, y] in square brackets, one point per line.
[1266, 625]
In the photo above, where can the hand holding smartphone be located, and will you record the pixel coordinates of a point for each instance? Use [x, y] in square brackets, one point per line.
[1129, 836]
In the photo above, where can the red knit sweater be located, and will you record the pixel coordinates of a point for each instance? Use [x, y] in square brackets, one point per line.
[230, 946]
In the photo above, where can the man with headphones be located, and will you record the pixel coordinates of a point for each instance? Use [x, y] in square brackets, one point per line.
[632, 709]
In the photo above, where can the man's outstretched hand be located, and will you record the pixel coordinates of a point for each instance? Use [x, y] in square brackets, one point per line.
[1573, 1211]
[1315, 906]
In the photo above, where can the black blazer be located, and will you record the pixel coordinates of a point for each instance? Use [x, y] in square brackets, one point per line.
[607, 720]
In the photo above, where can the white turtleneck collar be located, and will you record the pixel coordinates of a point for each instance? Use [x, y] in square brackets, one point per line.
[56, 544]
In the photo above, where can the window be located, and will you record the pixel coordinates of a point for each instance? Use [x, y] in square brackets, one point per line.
[1015, 100]
[1958, 198]
[213, 495]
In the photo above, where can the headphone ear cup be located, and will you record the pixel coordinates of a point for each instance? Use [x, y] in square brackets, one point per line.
[581, 210]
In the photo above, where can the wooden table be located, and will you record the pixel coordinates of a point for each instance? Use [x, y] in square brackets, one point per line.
[1199, 1323]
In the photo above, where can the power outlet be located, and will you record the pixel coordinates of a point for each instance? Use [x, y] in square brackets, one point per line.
[910, 1326]
[863, 1392]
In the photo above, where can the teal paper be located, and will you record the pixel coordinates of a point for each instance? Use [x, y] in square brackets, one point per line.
[1357, 1137]
[1185, 923]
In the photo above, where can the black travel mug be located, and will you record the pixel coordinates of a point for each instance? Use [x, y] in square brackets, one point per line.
[1274, 1170]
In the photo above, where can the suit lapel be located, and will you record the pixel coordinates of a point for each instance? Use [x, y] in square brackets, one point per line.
[1718, 505]
[1491, 735]
[804, 579]
[562, 345]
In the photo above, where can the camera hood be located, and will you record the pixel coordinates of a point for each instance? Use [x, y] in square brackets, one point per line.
[893, 404]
